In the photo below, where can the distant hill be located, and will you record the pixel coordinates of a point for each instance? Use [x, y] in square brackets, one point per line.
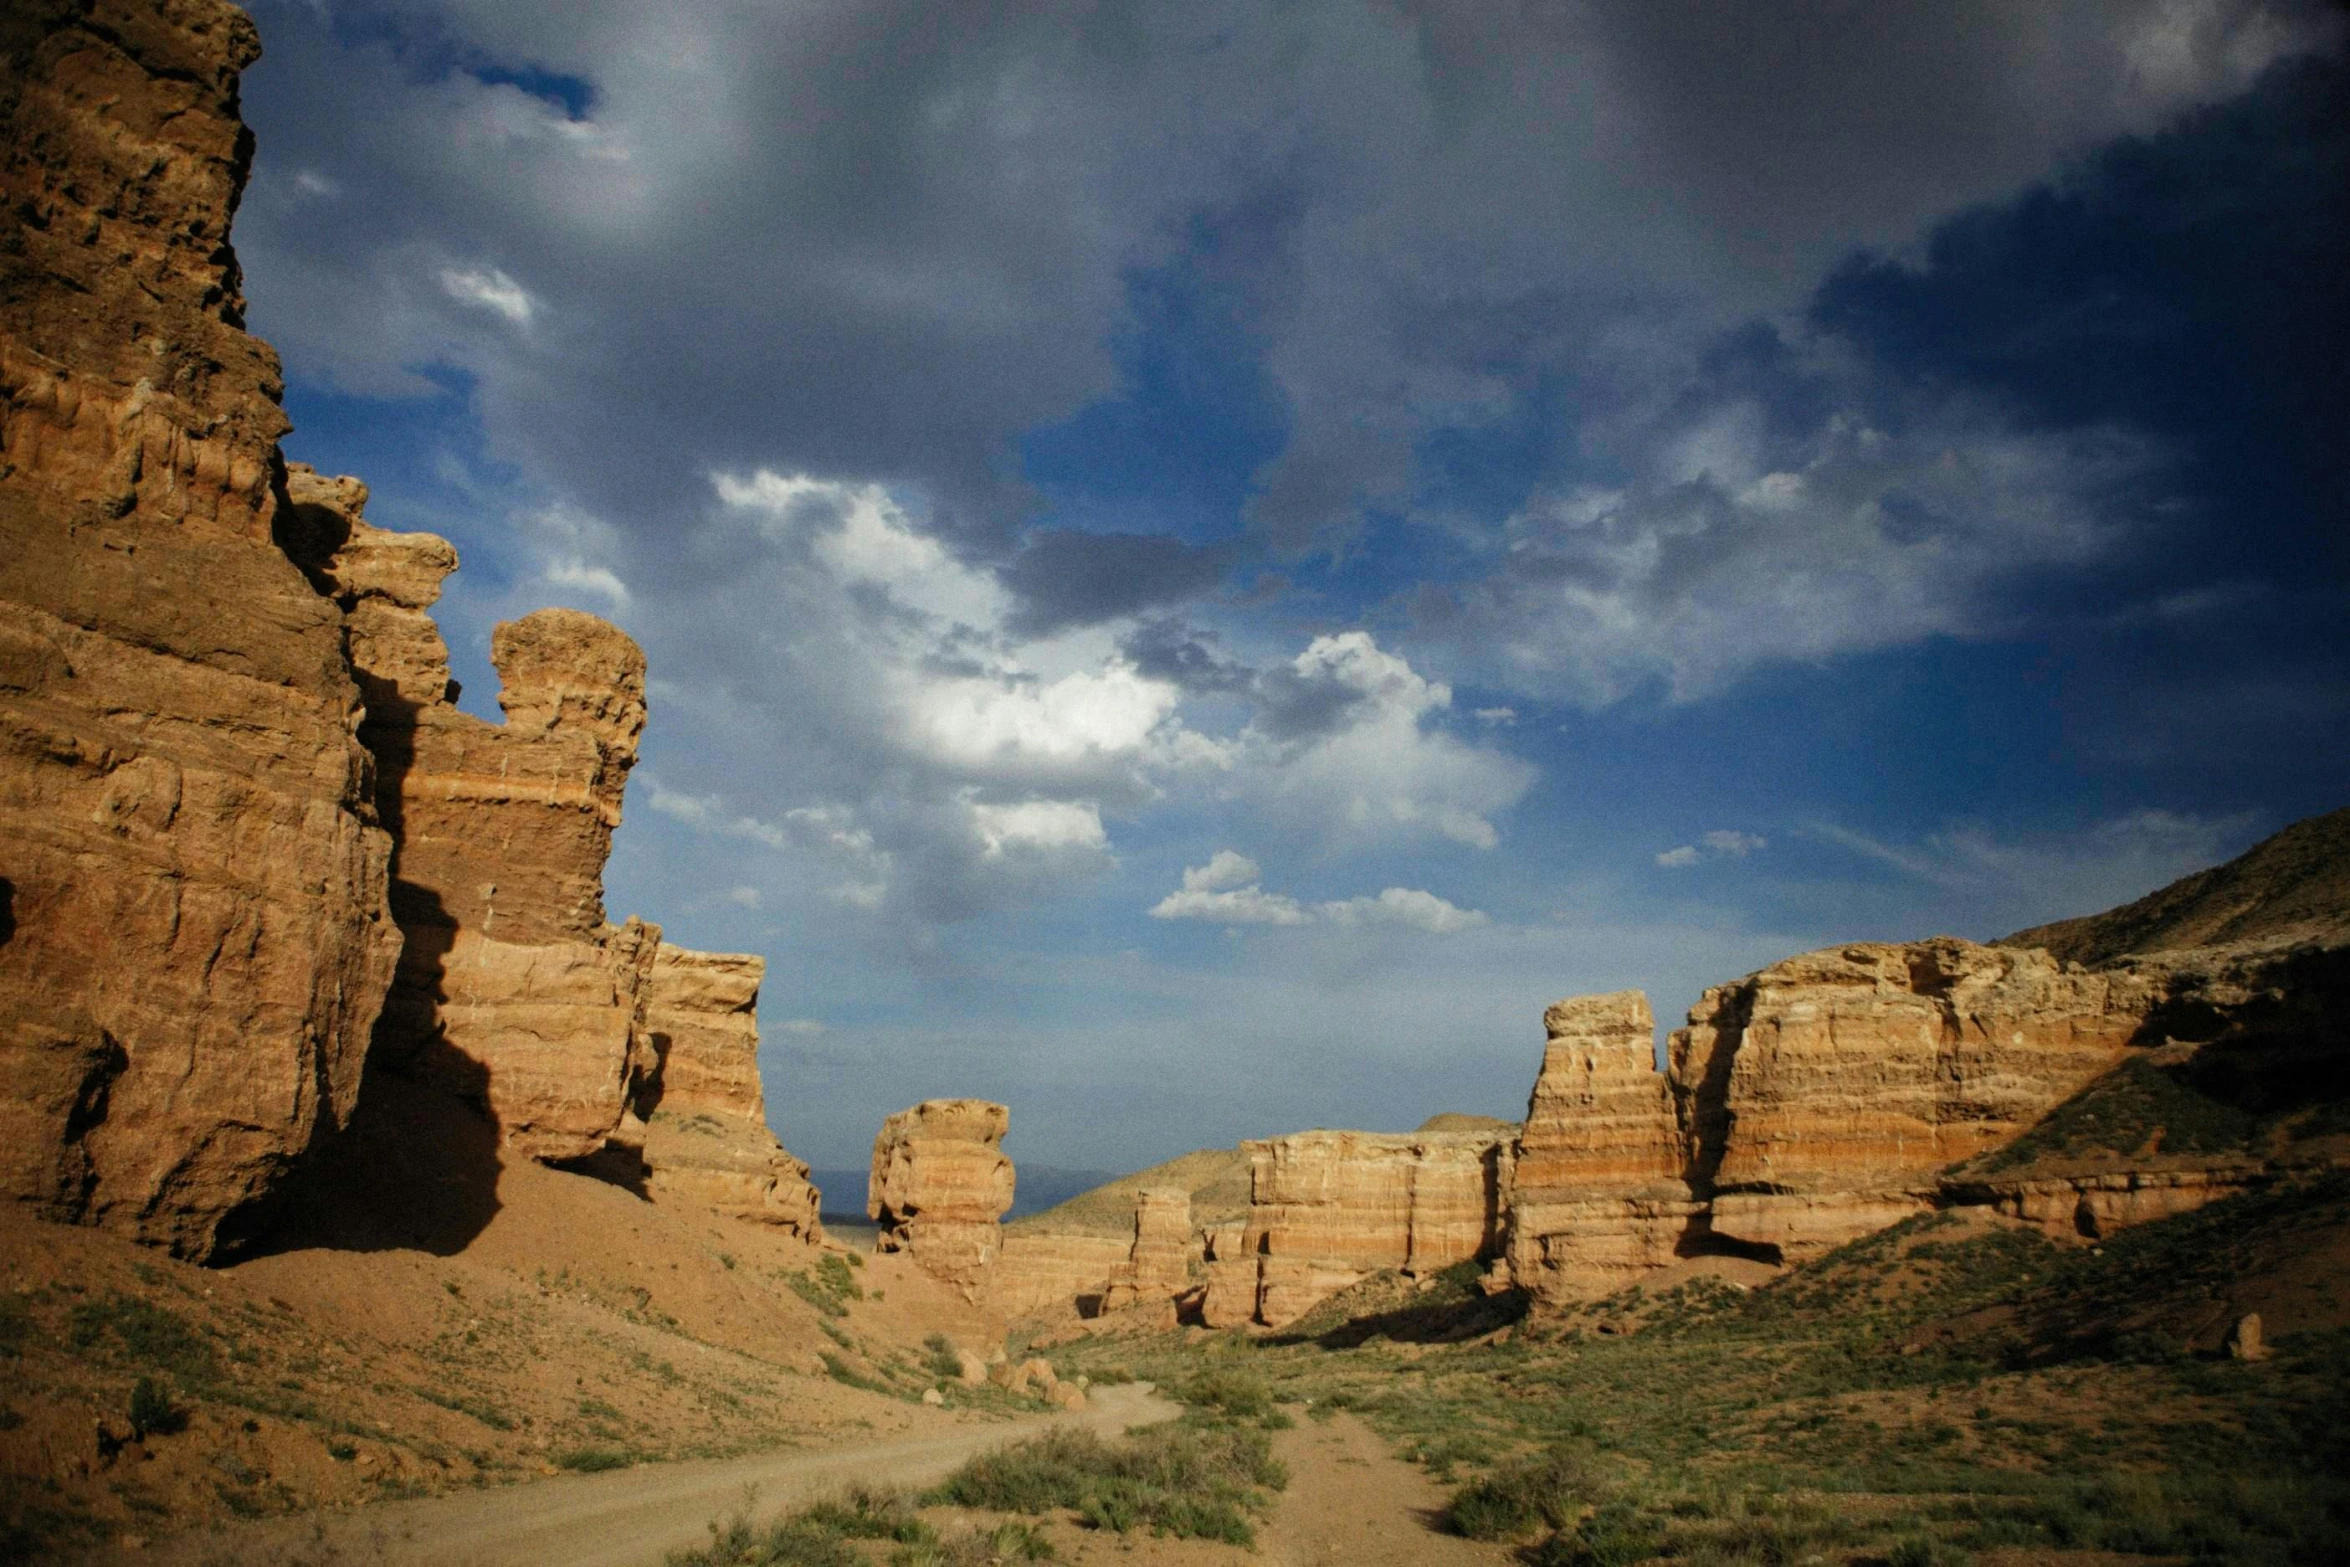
[1217, 1179]
[2294, 884]
[1455, 1121]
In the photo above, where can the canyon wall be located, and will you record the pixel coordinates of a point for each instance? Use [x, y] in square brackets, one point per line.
[1600, 1191]
[941, 1185]
[704, 1138]
[1822, 1096]
[1326, 1208]
[1157, 1267]
[194, 932]
[250, 848]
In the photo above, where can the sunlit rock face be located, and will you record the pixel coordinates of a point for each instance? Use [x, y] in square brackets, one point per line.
[194, 934]
[705, 1137]
[1326, 1208]
[1599, 1192]
[1822, 1096]
[512, 988]
[1042, 1270]
[941, 1185]
[1157, 1267]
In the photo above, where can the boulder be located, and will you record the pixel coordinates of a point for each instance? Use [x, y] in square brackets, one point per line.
[194, 933]
[940, 1186]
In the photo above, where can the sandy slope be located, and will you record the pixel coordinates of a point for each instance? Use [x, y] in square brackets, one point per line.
[628, 1519]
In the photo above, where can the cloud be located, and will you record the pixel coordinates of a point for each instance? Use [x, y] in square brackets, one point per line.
[1745, 546]
[743, 897]
[1045, 825]
[1227, 891]
[487, 287]
[2001, 882]
[1405, 906]
[1347, 743]
[599, 580]
[1720, 843]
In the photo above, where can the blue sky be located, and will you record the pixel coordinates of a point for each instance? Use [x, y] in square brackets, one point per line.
[1201, 564]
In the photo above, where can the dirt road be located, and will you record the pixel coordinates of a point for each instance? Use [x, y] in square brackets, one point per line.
[628, 1519]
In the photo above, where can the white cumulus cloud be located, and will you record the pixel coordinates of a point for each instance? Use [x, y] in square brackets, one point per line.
[489, 288]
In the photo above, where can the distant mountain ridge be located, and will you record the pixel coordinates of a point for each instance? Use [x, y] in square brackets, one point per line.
[2295, 884]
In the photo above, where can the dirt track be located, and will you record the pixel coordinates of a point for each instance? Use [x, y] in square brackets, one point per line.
[628, 1519]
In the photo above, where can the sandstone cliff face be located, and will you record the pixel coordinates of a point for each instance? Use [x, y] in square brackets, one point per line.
[706, 1140]
[1158, 1266]
[1044, 1270]
[941, 1185]
[1822, 1095]
[194, 938]
[1600, 1193]
[511, 989]
[1328, 1207]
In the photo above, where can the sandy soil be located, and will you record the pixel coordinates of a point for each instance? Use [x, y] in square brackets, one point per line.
[629, 1519]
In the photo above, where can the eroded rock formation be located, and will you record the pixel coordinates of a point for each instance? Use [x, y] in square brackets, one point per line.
[1158, 1265]
[706, 1138]
[194, 937]
[1600, 1191]
[249, 846]
[1822, 1096]
[941, 1185]
[1328, 1207]
[512, 988]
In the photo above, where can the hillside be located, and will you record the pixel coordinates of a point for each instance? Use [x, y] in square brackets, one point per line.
[2295, 884]
[1217, 1179]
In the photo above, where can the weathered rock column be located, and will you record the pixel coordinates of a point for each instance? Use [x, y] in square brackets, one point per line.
[1598, 1196]
[941, 1185]
[1159, 1266]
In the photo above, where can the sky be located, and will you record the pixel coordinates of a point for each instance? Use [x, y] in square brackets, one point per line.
[1201, 564]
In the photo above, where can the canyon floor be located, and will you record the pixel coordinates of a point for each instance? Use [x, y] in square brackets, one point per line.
[1959, 1388]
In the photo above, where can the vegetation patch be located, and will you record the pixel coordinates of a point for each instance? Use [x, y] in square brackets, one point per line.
[1194, 1479]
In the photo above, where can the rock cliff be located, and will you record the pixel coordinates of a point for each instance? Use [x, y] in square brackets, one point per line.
[1600, 1190]
[1822, 1096]
[512, 989]
[250, 849]
[1325, 1208]
[1158, 1266]
[194, 933]
[940, 1187]
[705, 1139]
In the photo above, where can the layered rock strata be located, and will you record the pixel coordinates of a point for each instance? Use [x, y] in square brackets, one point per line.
[194, 936]
[941, 1185]
[1326, 1208]
[512, 988]
[1599, 1191]
[1822, 1096]
[705, 1139]
[1042, 1270]
[1158, 1265]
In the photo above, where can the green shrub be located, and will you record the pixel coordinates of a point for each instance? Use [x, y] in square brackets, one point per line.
[153, 1410]
[861, 1513]
[1518, 1498]
[940, 1357]
[592, 1460]
[1189, 1480]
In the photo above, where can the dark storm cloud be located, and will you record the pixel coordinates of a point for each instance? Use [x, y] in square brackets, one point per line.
[1066, 578]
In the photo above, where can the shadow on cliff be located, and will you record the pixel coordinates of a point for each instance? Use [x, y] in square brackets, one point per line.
[416, 1168]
